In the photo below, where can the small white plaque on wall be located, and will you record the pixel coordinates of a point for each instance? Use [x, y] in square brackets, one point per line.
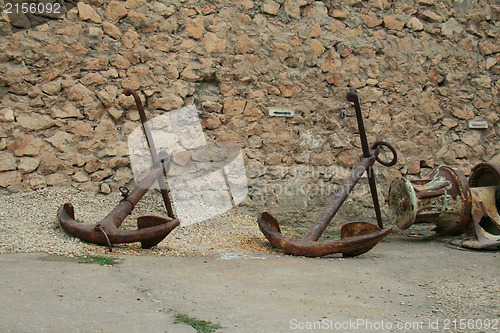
[280, 112]
[478, 124]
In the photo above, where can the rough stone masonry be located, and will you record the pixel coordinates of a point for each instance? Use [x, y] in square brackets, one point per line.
[428, 74]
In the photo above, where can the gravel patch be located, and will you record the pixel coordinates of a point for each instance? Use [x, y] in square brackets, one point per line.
[28, 223]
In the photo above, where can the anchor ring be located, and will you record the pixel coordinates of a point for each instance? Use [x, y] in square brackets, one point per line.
[124, 191]
[391, 148]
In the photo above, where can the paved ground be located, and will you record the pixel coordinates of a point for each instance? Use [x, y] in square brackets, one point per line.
[401, 281]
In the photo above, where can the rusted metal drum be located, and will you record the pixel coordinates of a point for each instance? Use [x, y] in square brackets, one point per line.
[484, 185]
[485, 174]
[443, 199]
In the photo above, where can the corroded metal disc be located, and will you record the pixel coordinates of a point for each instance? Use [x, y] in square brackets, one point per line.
[402, 203]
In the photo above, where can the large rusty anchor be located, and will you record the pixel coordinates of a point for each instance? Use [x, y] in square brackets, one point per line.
[356, 237]
[151, 229]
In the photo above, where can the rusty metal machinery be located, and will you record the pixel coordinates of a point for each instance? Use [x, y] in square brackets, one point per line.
[356, 237]
[443, 199]
[484, 185]
[456, 206]
[151, 229]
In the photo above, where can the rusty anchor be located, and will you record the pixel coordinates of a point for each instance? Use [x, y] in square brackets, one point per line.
[151, 229]
[356, 237]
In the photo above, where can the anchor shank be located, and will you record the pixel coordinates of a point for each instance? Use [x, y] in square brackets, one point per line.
[331, 209]
[145, 125]
[121, 211]
[352, 96]
[164, 195]
[373, 191]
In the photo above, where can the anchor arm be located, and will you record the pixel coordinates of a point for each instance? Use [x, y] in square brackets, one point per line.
[349, 246]
[106, 232]
[111, 235]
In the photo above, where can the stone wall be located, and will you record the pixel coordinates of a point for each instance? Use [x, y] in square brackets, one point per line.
[427, 71]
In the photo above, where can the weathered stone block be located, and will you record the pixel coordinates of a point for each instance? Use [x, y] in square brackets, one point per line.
[37, 102]
[27, 146]
[370, 19]
[213, 44]
[98, 64]
[252, 111]
[161, 43]
[487, 47]
[137, 20]
[465, 113]
[210, 121]
[7, 162]
[105, 188]
[130, 38]
[317, 11]
[99, 175]
[34, 181]
[273, 159]
[391, 22]
[81, 129]
[270, 7]
[413, 168]
[415, 24]
[324, 159]
[331, 61]
[168, 102]
[7, 115]
[68, 110]
[182, 157]
[60, 140]
[52, 88]
[115, 11]
[426, 2]
[111, 30]
[339, 13]
[244, 45]
[93, 79]
[431, 16]
[57, 179]
[87, 13]
[93, 165]
[10, 178]
[292, 8]
[132, 4]
[195, 27]
[28, 164]
[123, 175]
[233, 107]
[452, 29]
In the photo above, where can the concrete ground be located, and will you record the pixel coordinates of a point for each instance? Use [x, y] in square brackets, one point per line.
[421, 284]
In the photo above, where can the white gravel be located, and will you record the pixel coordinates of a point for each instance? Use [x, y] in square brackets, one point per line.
[28, 223]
